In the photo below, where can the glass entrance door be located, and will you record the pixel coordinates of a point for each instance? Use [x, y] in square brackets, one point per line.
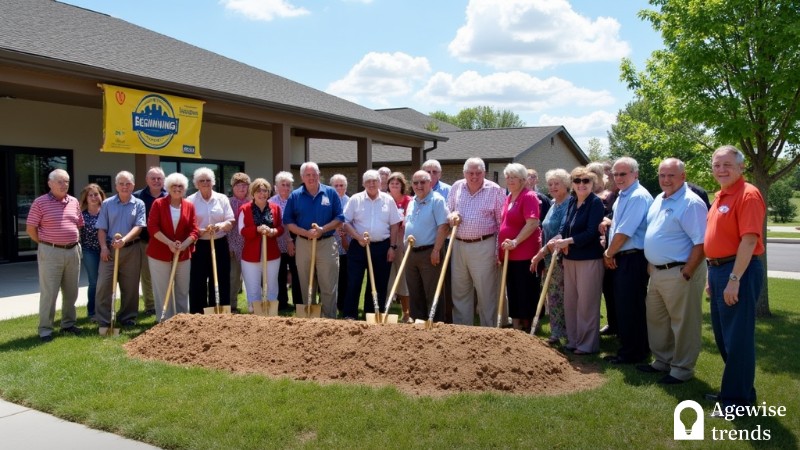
[27, 170]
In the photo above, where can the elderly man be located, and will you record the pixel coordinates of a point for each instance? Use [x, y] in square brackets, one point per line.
[673, 245]
[121, 214]
[316, 203]
[434, 169]
[374, 212]
[733, 243]
[155, 189]
[477, 208]
[53, 222]
[625, 256]
[426, 220]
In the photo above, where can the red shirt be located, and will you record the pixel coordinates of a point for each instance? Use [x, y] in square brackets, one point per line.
[402, 206]
[737, 210]
[160, 219]
[251, 252]
[515, 215]
[57, 221]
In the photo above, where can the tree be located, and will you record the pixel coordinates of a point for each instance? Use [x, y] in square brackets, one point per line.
[730, 66]
[781, 208]
[480, 117]
[645, 135]
[595, 150]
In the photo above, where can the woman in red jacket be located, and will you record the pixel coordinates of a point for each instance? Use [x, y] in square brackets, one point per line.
[260, 218]
[173, 228]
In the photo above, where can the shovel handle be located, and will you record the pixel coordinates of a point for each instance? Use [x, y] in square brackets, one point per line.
[311, 273]
[502, 297]
[409, 246]
[214, 273]
[439, 285]
[170, 286]
[543, 295]
[263, 267]
[375, 304]
[110, 331]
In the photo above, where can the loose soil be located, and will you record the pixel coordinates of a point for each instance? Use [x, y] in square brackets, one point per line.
[445, 360]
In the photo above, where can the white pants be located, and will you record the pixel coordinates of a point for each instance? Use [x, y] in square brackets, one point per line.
[159, 272]
[251, 272]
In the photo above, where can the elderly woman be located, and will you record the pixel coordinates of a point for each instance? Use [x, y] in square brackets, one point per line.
[339, 183]
[214, 218]
[398, 187]
[558, 185]
[283, 187]
[240, 185]
[579, 240]
[91, 200]
[521, 236]
[256, 219]
[173, 229]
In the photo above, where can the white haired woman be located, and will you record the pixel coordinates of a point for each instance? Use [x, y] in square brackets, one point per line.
[521, 236]
[284, 182]
[173, 229]
[214, 217]
[558, 185]
[339, 183]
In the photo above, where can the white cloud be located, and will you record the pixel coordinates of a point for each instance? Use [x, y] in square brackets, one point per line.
[582, 129]
[516, 91]
[379, 77]
[265, 10]
[534, 34]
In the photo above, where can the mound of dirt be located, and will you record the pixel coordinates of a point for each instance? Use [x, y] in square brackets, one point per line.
[445, 360]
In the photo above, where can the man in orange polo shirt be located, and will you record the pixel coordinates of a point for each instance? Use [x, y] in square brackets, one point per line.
[733, 241]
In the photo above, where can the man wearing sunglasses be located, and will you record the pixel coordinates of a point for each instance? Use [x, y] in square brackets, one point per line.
[625, 256]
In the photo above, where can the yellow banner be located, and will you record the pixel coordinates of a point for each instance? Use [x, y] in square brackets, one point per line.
[146, 122]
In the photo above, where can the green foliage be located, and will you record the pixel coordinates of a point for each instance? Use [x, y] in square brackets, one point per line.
[480, 117]
[596, 151]
[432, 126]
[780, 205]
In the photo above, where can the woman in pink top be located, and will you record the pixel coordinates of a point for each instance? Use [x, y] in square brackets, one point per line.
[521, 236]
[398, 186]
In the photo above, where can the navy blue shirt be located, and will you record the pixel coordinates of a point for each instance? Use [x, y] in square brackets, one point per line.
[581, 224]
[303, 210]
[145, 196]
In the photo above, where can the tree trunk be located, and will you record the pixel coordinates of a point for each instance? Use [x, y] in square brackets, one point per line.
[762, 306]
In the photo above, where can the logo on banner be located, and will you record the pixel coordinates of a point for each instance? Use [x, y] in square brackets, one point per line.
[154, 122]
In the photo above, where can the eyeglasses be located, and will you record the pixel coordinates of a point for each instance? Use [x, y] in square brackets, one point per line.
[581, 180]
[620, 174]
[339, 185]
[204, 181]
[419, 182]
[432, 171]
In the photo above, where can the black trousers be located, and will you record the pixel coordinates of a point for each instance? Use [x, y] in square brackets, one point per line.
[201, 276]
[630, 291]
[357, 267]
[522, 290]
[288, 266]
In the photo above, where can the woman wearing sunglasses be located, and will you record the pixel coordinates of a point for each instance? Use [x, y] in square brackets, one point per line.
[579, 240]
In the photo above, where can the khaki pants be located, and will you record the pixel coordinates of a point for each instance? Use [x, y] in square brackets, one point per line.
[326, 272]
[128, 279]
[474, 267]
[59, 269]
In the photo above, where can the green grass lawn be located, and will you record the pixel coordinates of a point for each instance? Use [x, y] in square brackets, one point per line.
[90, 380]
[783, 234]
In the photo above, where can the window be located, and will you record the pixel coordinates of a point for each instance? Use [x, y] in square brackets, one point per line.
[223, 171]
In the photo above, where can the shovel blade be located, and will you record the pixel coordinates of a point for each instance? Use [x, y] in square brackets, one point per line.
[221, 309]
[109, 332]
[265, 308]
[301, 312]
[393, 318]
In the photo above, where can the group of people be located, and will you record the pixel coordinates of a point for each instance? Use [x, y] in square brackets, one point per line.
[599, 232]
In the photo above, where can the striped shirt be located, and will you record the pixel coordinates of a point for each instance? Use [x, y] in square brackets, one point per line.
[283, 240]
[481, 212]
[57, 221]
[235, 239]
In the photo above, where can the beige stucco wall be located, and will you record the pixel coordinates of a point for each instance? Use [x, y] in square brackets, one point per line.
[27, 123]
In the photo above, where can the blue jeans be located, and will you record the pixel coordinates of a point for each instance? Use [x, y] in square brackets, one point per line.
[91, 264]
[734, 331]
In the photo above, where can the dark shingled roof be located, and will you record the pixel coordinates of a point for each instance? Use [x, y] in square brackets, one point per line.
[414, 117]
[52, 34]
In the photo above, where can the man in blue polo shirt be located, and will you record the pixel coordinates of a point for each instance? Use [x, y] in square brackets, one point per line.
[426, 220]
[625, 256]
[315, 203]
[673, 245]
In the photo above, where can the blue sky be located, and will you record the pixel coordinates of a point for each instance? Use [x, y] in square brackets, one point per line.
[553, 62]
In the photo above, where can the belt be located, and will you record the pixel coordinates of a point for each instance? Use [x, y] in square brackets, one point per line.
[421, 248]
[482, 238]
[319, 238]
[64, 246]
[720, 261]
[129, 243]
[628, 252]
[669, 265]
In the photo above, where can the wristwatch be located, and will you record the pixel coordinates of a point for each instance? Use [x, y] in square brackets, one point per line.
[733, 277]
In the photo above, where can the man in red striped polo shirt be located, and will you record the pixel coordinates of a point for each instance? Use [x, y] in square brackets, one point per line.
[53, 223]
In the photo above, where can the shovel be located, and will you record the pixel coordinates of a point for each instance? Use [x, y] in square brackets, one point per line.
[217, 308]
[110, 330]
[374, 317]
[502, 298]
[542, 296]
[170, 286]
[310, 311]
[264, 307]
[429, 322]
[392, 318]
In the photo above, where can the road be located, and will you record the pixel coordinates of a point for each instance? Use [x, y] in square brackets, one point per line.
[783, 257]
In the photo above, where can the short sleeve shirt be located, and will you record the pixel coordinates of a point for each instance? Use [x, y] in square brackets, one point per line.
[737, 210]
